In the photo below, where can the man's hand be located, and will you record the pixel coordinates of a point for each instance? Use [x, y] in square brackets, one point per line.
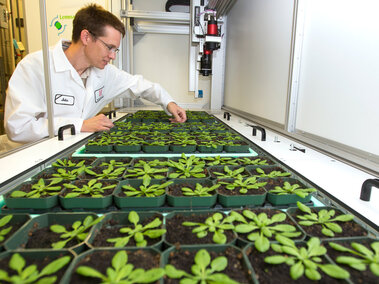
[97, 123]
[178, 113]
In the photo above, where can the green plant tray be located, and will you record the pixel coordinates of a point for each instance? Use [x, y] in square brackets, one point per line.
[121, 220]
[18, 219]
[21, 237]
[192, 201]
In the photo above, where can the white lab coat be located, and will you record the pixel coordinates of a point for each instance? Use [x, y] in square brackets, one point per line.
[25, 107]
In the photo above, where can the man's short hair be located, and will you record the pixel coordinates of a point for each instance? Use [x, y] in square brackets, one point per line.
[94, 18]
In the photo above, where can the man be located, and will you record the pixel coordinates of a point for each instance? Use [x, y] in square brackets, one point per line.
[82, 81]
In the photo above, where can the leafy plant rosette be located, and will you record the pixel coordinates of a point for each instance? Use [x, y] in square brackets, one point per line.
[146, 171]
[241, 191]
[9, 224]
[192, 193]
[200, 227]
[106, 172]
[237, 146]
[113, 161]
[255, 161]
[33, 267]
[54, 231]
[41, 194]
[360, 257]
[326, 222]
[210, 264]
[261, 226]
[152, 146]
[144, 192]
[268, 171]
[72, 162]
[282, 191]
[115, 266]
[88, 194]
[122, 229]
[223, 172]
[290, 261]
[188, 170]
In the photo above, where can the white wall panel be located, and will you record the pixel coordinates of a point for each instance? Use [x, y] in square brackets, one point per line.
[257, 57]
[339, 77]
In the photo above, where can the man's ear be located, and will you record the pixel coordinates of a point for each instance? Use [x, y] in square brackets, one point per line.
[85, 36]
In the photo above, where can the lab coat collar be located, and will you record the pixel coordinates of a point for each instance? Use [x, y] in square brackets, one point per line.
[61, 62]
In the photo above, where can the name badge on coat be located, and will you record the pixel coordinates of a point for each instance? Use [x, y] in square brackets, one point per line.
[61, 99]
[99, 95]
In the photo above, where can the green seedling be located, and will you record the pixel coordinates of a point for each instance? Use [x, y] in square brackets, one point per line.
[211, 144]
[324, 218]
[218, 160]
[146, 172]
[128, 142]
[244, 185]
[247, 161]
[67, 163]
[272, 174]
[365, 256]
[204, 270]
[138, 232]
[186, 161]
[261, 227]
[108, 173]
[69, 174]
[304, 260]
[4, 231]
[146, 189]
[199, 190]
[122, 272]
[156, 143]
[287, 188]
[228, 173]
[151, 163]
[115, 163]
[93, 188]
[187, 170]
[78, 231]
[215, 224]
[30, 274]
[40, 189]
[183, 142]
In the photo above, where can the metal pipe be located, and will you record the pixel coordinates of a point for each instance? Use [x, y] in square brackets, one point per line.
[46, 67]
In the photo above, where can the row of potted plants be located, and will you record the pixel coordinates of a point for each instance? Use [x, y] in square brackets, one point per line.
[154, 190]
[259, 226]
[275, 248]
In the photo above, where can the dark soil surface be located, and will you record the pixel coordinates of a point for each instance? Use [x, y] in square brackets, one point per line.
[349, 229]
[80, 184]
[111, 229]
[223, 190]
[269, 213]
[102, 260]
[41, 263]
[44, 238]
[361, 277]
[236, 270]
[179, 234]
[245, 173]
[280, 273]
[176, 189]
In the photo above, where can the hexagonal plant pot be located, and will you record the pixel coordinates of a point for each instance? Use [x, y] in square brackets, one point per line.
[87, 201]
[155, 148]
[114, 221]
[98, 148]
[183, 149]
[284, 199]
[240, 147]
[11, 226]
[101, 260]
[237, 269]
[45, 202]
[178, 234]
[127, 148]
[37, 236]
[123, 201]
[176, 198]
[350, 229]
[209, 149]
[40, 259]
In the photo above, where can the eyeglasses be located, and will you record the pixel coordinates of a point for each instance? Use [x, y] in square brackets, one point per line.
[109, 47]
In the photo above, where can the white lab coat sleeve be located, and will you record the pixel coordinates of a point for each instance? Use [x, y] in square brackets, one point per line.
[25, 108]
[120, 81]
